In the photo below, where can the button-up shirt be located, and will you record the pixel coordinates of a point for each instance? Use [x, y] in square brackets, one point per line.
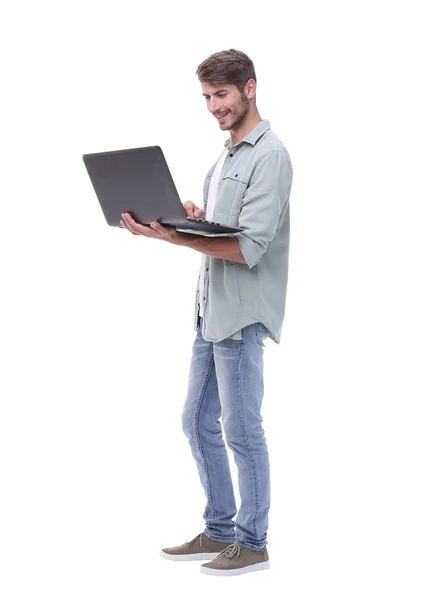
[253, 193]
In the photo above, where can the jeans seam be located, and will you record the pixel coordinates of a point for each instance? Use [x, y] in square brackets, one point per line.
[196, 430]
[242, 422]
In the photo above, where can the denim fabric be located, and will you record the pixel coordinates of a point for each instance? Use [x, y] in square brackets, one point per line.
[226, 381]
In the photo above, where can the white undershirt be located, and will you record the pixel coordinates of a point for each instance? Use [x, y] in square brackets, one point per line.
[212, 191]
[212, 195]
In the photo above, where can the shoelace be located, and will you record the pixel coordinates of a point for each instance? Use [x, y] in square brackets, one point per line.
[230, 551]
[199, 535]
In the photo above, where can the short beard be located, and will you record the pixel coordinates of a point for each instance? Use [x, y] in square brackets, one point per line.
[244, 110]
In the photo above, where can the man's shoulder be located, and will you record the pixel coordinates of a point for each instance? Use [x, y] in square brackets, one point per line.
[268, 143]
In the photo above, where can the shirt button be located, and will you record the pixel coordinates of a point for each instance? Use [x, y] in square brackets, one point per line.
[231, 155]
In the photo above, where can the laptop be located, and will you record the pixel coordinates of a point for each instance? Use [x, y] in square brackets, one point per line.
[138, 181]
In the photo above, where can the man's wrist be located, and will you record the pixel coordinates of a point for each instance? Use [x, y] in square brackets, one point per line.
[227, 248]
[185, 239]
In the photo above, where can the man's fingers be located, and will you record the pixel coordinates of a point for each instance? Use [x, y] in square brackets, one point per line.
[189, 208]
[192, 210]
[129, 227]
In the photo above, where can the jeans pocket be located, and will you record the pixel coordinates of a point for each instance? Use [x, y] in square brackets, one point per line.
[261, 334]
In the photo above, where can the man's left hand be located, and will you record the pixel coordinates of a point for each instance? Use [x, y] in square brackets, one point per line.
[154, 230]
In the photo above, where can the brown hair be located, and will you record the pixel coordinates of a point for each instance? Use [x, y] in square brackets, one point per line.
[227, 66]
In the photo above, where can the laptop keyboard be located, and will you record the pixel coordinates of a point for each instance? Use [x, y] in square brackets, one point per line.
[203, 221]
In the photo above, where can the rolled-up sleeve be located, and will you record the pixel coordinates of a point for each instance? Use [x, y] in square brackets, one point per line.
[264, 201]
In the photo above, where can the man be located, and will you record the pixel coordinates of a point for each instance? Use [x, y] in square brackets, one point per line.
[240, 301]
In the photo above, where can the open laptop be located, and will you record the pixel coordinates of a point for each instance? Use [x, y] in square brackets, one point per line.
[138, 181]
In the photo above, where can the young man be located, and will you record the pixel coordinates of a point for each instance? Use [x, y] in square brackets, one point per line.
[240, 301]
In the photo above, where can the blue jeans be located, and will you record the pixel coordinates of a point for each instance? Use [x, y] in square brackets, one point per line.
[226, 380]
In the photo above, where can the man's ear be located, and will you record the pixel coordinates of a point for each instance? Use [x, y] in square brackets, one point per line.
[251, 86]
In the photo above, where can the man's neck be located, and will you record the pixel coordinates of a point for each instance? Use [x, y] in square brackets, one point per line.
[244, 129]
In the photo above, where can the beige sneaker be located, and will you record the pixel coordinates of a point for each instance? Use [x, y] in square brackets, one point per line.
[200, 548]
[235, 560]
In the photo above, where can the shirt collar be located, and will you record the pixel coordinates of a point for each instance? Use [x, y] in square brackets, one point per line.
[254, 134]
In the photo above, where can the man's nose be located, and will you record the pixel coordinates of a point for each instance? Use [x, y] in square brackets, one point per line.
[213, 106]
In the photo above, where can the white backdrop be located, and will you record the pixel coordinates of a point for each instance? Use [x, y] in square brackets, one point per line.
[97, 324]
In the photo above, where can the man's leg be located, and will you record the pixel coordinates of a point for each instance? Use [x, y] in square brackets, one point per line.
[239, 368]
[200, 421]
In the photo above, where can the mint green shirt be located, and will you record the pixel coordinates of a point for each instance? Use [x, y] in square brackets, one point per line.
[254, 190]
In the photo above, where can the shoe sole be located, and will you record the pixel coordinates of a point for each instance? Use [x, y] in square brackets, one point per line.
[198, 556]
[226, 572]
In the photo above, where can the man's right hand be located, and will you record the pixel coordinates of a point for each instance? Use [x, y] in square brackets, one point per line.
[193, 211]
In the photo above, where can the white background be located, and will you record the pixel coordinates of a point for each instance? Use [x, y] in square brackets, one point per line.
[97, 324]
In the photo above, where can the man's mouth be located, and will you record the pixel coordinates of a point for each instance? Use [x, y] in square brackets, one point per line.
[222, 117]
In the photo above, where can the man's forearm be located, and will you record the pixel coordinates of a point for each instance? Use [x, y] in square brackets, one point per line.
[227, 248]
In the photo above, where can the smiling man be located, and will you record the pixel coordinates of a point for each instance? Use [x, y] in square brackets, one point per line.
[240, 302]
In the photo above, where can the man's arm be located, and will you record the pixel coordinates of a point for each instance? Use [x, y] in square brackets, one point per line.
[265, 198]
[226, 248]
[264, 202]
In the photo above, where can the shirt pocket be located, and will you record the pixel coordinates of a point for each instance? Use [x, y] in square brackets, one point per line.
[232, 187]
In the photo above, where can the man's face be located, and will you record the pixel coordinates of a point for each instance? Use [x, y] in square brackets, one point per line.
[227, 104]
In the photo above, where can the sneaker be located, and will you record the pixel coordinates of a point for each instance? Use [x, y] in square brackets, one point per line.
[200, 548]
[235, 560]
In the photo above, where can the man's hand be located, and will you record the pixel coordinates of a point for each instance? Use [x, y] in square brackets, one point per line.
[154, 230]
[193, 211]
